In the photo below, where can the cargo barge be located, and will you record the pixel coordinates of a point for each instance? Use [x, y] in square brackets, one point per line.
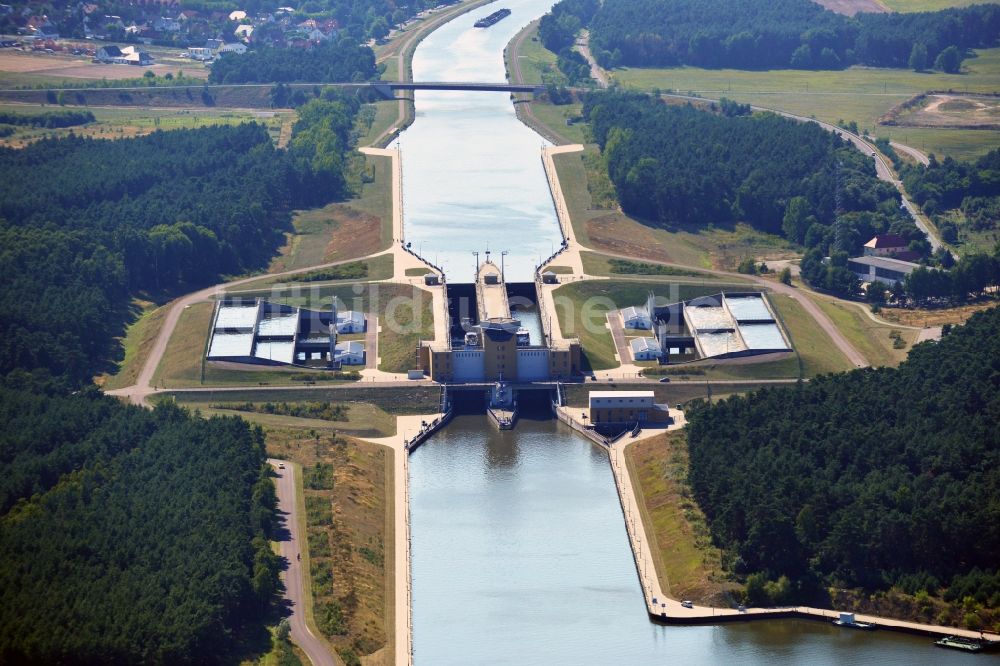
[495, 17]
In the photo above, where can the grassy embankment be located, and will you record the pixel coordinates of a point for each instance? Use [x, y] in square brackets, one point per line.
[362, 419]
[876, 341]
[342, 230]
[345, 513]
[687, 564]
[599, 224]
[136, 344]
[861, 94]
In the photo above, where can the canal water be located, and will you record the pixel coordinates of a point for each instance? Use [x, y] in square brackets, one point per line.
[519, 550]
[472, 173]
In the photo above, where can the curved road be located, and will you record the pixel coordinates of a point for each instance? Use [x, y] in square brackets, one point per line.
[314, 648]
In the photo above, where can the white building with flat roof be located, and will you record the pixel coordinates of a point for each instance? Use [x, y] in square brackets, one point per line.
[635, 317]
[645, 349]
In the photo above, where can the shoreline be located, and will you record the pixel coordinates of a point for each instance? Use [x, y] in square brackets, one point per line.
[664, 610]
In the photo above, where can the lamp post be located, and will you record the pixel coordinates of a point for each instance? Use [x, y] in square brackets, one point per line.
[502, 255]
[476, 255]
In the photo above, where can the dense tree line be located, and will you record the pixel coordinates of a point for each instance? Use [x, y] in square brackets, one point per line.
[972, 188]
[340, 61]
[128, 535]
[48, 120]
[675, 164]
[865, 478]
[86, 222]
[768, 34]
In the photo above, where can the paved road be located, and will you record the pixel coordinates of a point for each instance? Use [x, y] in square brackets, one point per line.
[314, 648]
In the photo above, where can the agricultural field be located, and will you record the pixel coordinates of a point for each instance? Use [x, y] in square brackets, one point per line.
[20, 68]
[126, 122]
[859, 94]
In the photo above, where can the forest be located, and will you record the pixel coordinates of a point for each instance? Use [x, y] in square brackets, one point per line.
[129, 535]
[85, 223]
[768, 34]
[961, 197]
[869, 479]
[340, 61]
[677, 165]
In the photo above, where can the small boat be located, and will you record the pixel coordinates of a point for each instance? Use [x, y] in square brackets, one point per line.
[847, 621]
[495, 17]
[967, 644]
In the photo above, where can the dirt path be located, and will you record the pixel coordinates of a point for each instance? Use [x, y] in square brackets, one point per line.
[291, 548]
[596, 71]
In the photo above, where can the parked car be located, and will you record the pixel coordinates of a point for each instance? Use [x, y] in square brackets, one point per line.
[281, 465]
[687, 604]
[665, 380]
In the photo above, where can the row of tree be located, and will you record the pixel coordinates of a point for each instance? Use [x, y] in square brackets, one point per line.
[84, 223]
[48, 120]
[863, 478]
[678, 165]
[768, 34]
[128, 535]
[337, 61]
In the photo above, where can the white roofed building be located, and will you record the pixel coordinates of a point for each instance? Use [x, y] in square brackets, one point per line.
[635, 317]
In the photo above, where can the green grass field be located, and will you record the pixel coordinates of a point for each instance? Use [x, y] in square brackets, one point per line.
[538, 64]
[817, 351]
[868, 337]
[861, 94]
[386, 115]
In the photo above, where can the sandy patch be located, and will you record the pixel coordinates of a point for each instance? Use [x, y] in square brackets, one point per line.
[946, 110]
[852, 7]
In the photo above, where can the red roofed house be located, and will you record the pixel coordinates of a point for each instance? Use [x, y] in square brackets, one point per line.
[884, 245]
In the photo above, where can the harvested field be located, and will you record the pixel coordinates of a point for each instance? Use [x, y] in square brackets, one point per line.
[946, 110]
[924, 317]
[77, 67]
[852, 7]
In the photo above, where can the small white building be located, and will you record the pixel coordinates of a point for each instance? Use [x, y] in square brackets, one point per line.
[236, 47]
[636, 318]
[645, 349]
[350, 321]
[350, 353]
[620, 406]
